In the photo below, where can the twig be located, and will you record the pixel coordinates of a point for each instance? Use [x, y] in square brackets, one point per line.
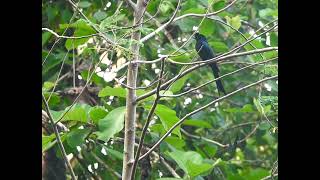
[201, 108]
[250, 134]
[269, 177]
[68, 37]
[170, 169]
[203, 138]
[56, 82]
[64, 154]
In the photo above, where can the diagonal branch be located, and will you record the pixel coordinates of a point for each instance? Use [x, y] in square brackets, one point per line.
[63, 152]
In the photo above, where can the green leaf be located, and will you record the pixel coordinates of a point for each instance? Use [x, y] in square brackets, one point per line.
[81, 29]
[197, 123]
[158, 128]
[77, 113]
[111, 124]
[47, 86]
[84, 4]
[254, 174]
[175, 142]
[97, 113]
[115, 153]
[168, 178]
[165, 6]
[194, 10]
[191, 162]
[273, 39]
[258, 105]
[176, 86]
[245, 109]
[45, 37]
[264, 125]
[94, 78]
[109, 91]
[77, 137]
[219, 5]
[185, 57]
[234, 22]
[219, 47]
[167, 117]
[207, 27]
[50, 141]
[268, 12]
[111, 20]
[100, 15]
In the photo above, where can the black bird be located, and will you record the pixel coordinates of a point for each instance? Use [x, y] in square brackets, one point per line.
[206, 52]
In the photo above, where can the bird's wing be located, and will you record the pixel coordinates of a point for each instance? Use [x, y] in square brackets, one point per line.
[206, 51]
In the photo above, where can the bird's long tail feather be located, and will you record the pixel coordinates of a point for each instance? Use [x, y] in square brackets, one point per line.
[216, 71]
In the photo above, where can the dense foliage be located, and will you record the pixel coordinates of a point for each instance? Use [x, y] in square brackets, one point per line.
[234, 139]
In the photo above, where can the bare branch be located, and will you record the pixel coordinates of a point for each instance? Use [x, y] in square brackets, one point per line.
[68, 37]
[63, 152]
[203, 138]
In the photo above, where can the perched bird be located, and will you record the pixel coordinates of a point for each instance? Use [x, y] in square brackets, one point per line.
[206, 52]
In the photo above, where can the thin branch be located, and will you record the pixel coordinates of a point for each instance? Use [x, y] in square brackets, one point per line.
[145, 128]
[56, 82]
[201, 108]
[170, 169]
[269, 177]
[250, 134]
[203, 138]
[68, 37]
[63, 152]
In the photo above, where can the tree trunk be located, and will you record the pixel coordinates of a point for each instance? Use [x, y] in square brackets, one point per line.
[130, 118]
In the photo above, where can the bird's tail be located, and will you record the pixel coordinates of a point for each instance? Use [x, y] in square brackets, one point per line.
[216, 71]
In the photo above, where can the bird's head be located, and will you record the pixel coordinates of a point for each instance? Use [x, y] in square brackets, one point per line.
[199, 37]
